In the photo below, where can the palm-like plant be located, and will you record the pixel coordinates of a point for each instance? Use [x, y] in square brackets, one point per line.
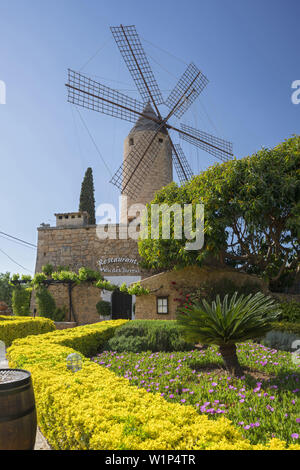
[228, 322]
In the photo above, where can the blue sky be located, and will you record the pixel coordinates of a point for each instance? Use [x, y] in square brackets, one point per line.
[249, 50]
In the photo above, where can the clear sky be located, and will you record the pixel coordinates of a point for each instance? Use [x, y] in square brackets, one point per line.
[249, 50]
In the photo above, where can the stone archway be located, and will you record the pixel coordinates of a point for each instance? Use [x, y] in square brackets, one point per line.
[121, 305]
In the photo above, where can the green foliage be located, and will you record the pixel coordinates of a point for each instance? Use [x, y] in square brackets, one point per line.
[148, 335]
[5, 288]
[46, 306]
[103, 308]
[20, 327]
[86, 274]
[21, 300]
[45, 303]
[281, 340]
[87, 199]
[59, 314]
[229, 321]
[252, 215]
[290, 311]
[287, 326]
[47, 269]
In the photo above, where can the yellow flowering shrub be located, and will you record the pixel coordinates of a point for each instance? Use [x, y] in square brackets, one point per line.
[93, 409]
[12, 328]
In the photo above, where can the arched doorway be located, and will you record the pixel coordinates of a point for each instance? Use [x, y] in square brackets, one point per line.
[121, 305]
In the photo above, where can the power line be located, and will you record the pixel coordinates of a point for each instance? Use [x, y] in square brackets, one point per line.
[11, 259]
[108, 39]
[19, 239]
[17, 243]
[91, 137]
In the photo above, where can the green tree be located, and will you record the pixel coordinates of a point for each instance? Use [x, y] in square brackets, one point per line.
[252, 215]
[228, 322]
[87, 199]
[5, 288]
[21, 297]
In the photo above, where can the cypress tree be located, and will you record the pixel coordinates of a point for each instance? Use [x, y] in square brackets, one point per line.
[87, 199]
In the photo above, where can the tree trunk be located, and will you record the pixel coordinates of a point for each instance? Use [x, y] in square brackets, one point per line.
[228, 352]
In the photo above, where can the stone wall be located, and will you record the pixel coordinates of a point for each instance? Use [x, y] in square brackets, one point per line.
[80, 246]
[161, 285]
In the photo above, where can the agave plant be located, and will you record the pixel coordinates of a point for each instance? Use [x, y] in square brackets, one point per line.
[228, 322]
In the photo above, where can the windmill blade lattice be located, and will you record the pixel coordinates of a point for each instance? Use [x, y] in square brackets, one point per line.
[188, 88]
[131, 48]
[219, 148]
[87, 93]
[182, 167]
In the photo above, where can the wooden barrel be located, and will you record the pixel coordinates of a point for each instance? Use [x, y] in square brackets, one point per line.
[18, 422]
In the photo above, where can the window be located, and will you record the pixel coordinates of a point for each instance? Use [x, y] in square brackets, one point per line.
[131, 141]
[162, 305]
[160, 141]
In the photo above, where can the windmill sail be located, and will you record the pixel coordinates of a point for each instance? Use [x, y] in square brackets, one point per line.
[188, 88]
[87, 93]
[219, 148]
[181, 164]
[130, 176]
[132, 51]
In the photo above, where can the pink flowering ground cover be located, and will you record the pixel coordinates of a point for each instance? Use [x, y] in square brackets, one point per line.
[264, 403]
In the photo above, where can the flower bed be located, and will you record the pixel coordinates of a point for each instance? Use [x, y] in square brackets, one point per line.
[263, 404]
[95, 409]
[12, 328]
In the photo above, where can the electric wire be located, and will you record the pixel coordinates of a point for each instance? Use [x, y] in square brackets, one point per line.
[92, 139]
[18, 239]
[14, 261]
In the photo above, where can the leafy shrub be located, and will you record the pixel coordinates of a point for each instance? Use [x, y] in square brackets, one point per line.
[286, 326]
[46, 306]
[290, 311]
[59, 314]
[128, 343]
[6, 288]
[45, 303]
[280, 340]
[47, 269]
[148, 335]
[20, 327]
[21, 300]
[103, 308]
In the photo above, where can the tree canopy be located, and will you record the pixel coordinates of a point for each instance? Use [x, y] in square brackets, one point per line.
[252, 215]
[87, 199]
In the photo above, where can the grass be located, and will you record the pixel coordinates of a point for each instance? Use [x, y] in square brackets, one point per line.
[264, 403]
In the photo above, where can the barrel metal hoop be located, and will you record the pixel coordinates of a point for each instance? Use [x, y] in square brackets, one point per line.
[17, 416]
[13, 391]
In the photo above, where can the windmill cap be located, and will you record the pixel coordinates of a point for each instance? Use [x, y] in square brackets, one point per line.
[144, 124]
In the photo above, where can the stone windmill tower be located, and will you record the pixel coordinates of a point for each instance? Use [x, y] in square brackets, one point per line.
[161, 172]
[148, 150]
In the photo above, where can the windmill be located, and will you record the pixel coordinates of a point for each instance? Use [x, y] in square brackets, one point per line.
[87, 93]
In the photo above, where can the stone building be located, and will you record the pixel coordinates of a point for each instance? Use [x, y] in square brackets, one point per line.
[165, 288]
[75, 243]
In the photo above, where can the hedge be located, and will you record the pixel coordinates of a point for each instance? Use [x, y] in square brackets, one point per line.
[93, 409]
[12, 328]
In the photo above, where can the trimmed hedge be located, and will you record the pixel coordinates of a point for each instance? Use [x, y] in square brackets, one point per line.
[12, 328]
[149, 335]
[287, 326]
[93, 409]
